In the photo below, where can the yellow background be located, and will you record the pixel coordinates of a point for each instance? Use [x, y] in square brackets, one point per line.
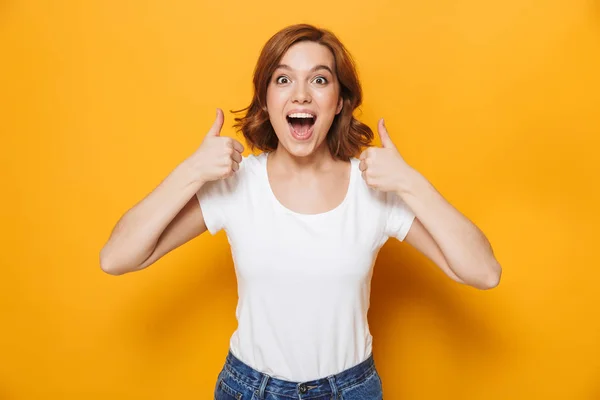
[496, 103]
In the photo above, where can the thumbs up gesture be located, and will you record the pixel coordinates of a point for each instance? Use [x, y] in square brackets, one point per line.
[383, 167]
[218, 157]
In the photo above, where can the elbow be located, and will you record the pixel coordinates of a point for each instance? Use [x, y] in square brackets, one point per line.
[108, 265]
[491, 278]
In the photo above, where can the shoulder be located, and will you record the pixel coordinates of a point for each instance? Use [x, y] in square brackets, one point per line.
[376, 198]
[361, 186]
[253, 163]
[250, 170]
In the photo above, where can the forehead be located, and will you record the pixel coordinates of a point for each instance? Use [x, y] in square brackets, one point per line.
[303, 56]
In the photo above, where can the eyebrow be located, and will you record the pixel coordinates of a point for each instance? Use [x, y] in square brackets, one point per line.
[315, 68]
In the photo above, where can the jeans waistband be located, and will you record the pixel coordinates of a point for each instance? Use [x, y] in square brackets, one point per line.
[328, 385]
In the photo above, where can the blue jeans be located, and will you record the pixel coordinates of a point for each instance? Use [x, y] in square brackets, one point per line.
[241, 382]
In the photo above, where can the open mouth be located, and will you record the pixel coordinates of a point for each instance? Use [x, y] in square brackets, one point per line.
[301, 124]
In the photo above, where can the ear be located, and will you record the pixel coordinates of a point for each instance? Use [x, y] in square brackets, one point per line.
[340, 105]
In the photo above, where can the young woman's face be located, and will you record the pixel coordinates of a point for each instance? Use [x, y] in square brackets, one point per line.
[303, 97]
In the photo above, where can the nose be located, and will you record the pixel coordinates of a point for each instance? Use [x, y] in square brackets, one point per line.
[301, 94]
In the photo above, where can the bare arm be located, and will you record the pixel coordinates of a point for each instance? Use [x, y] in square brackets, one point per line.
[419, 238]
[164, 220]
[170, 215]
[440, 231]
[466, 253]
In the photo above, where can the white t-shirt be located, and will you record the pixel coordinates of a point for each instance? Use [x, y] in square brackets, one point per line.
[303, 280]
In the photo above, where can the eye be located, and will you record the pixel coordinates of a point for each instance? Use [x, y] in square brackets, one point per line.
[282, 80]
[320, 80]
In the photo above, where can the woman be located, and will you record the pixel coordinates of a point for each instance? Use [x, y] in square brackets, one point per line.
[305, 219]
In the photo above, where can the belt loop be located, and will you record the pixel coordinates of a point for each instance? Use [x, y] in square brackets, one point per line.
[334, 392]
[263, 386]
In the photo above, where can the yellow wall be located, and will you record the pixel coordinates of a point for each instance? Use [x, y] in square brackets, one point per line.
[497, 103]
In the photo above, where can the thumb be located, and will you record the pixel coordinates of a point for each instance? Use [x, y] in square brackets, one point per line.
[215, 129]
[386, 141]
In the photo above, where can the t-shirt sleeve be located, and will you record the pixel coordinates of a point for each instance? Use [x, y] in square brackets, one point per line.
[399, 216]
[215, 199]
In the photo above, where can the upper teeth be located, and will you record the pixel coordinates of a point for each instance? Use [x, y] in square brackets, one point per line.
[301, 115]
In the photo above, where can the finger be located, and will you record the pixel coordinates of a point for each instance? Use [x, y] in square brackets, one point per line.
[235, 166]
[386, 141]
[238, 146]
[362, 165]
[363, 155]
[237, 157]
[215, 129]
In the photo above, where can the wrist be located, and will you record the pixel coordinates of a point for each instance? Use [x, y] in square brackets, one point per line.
[408, 181]
[190, 171]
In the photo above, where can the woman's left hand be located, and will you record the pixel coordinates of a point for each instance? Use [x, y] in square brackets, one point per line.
[383, 168]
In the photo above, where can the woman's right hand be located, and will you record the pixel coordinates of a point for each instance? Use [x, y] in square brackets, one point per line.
[217, 157]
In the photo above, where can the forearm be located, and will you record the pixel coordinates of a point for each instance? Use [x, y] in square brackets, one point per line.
[466, 249]
[137, 232]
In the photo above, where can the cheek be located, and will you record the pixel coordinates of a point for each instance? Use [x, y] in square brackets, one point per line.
[269, 99]
[327, 100]
[275, 98]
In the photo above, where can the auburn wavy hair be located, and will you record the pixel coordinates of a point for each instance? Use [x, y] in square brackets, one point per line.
[347, 136]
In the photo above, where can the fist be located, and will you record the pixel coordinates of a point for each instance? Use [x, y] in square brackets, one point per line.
[383, 167]
[217, 157]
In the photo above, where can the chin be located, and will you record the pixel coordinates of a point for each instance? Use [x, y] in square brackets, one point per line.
[303, 148]
[299, 149]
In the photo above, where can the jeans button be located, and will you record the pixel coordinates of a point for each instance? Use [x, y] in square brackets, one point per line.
[303, 388]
